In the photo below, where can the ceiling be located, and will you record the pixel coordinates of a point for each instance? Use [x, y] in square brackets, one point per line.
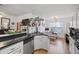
[43, 10]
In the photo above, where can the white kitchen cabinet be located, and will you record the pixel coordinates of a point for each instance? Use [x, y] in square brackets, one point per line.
[28, 47]
[71, 45]
[16, 48]
[41, 42]
[76, 50]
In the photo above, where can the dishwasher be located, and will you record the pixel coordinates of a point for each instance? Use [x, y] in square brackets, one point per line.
[28, 45]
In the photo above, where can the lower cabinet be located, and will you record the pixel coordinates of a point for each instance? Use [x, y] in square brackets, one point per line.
[71, 46]
[13, 49]
[76, 50]
[28, 47]
[41, 41]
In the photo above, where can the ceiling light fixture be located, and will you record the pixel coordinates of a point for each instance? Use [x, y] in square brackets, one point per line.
[54, 17]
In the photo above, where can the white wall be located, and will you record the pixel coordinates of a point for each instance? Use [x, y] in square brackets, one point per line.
[25, 16]
[19, 18]
[12, 18]
[66, 21]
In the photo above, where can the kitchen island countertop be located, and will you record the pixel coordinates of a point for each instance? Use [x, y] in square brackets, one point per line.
[9, 39]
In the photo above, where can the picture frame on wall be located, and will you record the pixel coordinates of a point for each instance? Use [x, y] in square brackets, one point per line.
[5, 23]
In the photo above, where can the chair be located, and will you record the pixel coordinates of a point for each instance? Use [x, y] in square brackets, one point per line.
[40, 51]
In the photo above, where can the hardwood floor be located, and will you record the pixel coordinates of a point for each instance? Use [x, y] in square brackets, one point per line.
[58, 46]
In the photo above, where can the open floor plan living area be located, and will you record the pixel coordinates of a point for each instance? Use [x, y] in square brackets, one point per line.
[39, 28]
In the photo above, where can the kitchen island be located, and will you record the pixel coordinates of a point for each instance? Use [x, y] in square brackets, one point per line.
[22, 38]
[12, 43]
[9, 39]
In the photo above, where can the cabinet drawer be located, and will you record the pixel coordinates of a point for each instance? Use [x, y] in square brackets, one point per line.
[12, 48]
[17, 51]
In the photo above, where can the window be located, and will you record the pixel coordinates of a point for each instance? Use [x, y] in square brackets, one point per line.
[56, 24]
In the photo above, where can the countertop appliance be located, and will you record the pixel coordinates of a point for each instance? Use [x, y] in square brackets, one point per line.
[77, 33]
[74, 33]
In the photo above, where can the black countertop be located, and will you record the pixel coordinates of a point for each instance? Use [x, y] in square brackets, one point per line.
[12, 39]
[76, 41]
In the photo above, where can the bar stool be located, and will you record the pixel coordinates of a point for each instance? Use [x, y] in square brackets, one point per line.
[40, 51]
